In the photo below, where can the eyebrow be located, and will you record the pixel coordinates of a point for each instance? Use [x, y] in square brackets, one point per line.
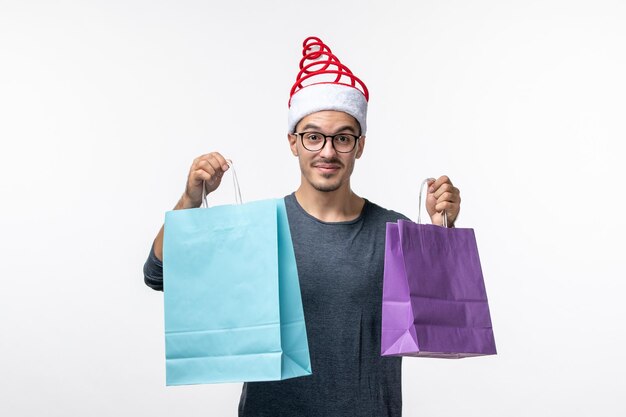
[341, 129]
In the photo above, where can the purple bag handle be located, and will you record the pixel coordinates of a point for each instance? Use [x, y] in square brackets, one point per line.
[419, 209]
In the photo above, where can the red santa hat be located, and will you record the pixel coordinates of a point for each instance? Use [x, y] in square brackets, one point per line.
[324, 83]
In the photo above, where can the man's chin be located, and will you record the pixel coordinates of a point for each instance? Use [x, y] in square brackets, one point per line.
[326, 187]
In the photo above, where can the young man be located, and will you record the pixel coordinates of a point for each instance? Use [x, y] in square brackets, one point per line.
[339, 243]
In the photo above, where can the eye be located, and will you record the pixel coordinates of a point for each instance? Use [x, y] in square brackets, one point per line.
[313, 137]
[343, 138]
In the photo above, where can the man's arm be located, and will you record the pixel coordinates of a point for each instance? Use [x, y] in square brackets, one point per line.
[205, 170]
[153, 271]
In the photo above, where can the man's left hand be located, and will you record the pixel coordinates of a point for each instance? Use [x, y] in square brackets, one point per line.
[442, 195]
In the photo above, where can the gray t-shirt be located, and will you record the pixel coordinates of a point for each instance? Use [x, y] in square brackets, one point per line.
[340, 267]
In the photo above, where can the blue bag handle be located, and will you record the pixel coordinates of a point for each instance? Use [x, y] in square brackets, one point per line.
[238, 199]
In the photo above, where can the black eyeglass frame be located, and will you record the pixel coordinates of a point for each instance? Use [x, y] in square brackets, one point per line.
[356, 140]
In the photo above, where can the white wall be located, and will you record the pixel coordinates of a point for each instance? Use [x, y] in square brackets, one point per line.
[104, 104]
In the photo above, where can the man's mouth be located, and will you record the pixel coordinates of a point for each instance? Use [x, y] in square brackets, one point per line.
[326, 168]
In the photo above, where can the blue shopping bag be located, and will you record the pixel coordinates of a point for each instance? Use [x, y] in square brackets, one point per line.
[233, 309]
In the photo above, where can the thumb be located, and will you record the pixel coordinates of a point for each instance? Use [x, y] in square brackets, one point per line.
[431, 201]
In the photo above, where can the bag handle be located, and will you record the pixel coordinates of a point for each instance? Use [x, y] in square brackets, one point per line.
[419, 210]
[238, 199]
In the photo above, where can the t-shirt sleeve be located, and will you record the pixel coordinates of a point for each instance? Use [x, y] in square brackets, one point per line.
[393, 216]
[153, 271]
[398, 216]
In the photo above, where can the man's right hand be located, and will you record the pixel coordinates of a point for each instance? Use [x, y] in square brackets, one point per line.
[208, 170]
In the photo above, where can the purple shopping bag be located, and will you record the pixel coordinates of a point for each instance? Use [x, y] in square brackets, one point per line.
[434, 298]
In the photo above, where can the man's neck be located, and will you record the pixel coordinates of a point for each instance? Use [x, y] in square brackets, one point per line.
[332, 206]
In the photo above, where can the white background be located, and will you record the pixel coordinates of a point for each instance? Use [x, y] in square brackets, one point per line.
[103, 106]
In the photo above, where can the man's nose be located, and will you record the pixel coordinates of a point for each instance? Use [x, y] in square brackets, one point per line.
[328, 149]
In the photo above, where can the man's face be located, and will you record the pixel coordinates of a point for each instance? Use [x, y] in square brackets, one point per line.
[327, 170]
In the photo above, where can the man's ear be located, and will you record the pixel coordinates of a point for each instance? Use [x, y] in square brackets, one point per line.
[293, 143]
[360, 146]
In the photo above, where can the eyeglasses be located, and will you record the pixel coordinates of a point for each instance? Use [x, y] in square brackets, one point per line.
[315, 141]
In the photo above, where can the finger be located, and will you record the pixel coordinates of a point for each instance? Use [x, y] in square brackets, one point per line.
[213, 166]
[452, 209]
[439, 182]
[201, 165]
[206, 166]
[218, 159]
[450, 196]
[431, 200]
[216, 156]
[444, 188]
[200, 175]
